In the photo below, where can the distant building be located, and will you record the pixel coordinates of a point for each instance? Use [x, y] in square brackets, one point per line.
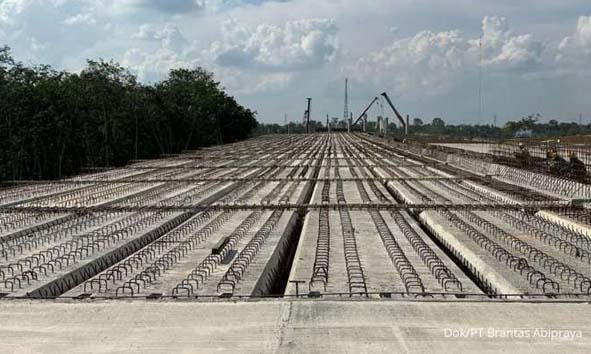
[523, 134]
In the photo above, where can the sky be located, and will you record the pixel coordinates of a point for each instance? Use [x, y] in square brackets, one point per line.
[465, 61]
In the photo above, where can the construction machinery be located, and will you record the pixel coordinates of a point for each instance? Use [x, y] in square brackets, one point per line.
[523, 156]
[574, 168]
[365, 111]
[555, 163]
[577, 168]
[549, 157]
[403, 124]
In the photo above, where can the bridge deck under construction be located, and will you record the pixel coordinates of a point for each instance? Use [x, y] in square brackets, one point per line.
[316, 215]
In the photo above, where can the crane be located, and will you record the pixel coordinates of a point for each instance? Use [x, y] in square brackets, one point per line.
[402, 122]
[365, 111]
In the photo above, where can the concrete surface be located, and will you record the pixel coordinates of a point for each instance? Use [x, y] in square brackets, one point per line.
[482, 148]
[293, 327]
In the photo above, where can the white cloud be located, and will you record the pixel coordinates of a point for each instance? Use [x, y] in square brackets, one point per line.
[433, 62]
[502, 49]
[299, 44]
[10, 8]
[423, 62]
[148, 32]
[183, 7]
[168, 35]
[81, 18]
[169, 6]
[153, 66]
[48, 31]
[272, 53]
[172, 51]
[574, 51]
[250, 83]
[36, 46]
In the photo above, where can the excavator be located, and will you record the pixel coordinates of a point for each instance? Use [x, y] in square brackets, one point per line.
[553, 164]
[557, 165]
[577, 168]
[523, 156]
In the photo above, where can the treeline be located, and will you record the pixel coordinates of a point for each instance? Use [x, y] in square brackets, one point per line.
[530, 125]
[290, 128]
[54, 123]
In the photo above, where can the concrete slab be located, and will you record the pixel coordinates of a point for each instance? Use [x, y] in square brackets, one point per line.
[294, 327]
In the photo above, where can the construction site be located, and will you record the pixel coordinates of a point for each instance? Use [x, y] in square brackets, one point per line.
[299, 216]
[300, 220]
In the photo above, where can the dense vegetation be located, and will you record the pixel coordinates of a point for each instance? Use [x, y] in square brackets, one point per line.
[53, 123]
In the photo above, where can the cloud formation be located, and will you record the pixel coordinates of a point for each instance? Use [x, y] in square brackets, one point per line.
[169, 6]
[574, 51]
[300, 44]
[503, 49]
[81, 18]
[168, 35]
[154, 66]
[272, 52]
[433, 62]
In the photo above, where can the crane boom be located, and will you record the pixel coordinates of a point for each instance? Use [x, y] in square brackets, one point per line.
[365, 111]
[402, 122]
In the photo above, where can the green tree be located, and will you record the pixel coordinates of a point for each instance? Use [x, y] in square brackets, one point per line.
[53, 123]
[438, 122]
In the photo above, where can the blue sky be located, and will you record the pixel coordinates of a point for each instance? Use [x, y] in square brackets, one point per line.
[536, 54]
